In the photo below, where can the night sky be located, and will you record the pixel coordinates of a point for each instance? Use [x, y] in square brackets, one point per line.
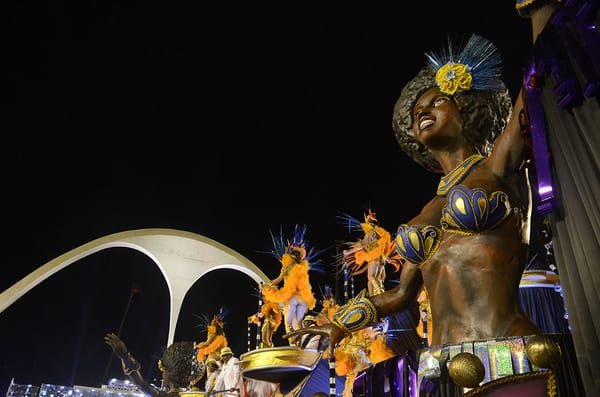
[226, 119]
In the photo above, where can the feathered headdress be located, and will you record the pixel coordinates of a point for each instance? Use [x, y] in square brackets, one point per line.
[328, 297]
[477, 66]
[351, 223]
[298, 243]
[217, 319]
[354, 225]
[327, 292]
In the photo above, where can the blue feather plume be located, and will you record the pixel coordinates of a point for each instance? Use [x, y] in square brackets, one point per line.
[481, 57]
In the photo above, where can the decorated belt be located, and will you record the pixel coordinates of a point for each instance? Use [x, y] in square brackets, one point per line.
[500, 357]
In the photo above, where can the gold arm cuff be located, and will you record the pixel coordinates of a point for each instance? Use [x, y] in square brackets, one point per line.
[129, 364]
[524, 6]
[357, 314]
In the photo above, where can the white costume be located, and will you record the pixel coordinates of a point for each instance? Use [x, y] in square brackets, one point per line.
[211, 380]
[231, 377]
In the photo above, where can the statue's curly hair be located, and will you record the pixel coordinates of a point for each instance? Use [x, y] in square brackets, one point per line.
[179, 361]
[485, 114]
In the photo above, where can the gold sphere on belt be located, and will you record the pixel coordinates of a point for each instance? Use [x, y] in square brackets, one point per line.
[543, 351]
[466, 369]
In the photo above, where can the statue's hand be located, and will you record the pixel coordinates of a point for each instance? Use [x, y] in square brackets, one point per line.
[118, 346]
[330, 335]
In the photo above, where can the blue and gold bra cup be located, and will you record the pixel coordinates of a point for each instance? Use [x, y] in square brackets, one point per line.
[417, 244]
[467, 212]
[471, 211]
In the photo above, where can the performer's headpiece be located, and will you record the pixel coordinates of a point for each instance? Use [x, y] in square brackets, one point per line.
[296, 246]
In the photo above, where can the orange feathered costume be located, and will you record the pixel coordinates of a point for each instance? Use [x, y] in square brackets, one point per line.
[214, 343]
[377, 244]
[295, 282]
[271, 311]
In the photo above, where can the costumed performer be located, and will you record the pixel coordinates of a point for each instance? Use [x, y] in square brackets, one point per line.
[351, 357]
[213, 369]
[230, 381]
[296, 292]
[215, 337]
[370, 253]
[328, 306]
[270, 314]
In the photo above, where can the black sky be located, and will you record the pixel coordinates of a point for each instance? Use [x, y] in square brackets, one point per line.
[226, 119]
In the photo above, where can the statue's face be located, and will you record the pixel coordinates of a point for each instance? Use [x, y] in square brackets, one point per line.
[436, 118]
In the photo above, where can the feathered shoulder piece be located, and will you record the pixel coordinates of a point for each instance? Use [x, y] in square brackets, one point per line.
[476, 65]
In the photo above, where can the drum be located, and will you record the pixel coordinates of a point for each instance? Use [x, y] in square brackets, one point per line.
[287, 366]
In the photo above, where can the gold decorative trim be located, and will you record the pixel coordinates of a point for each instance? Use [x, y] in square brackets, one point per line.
[524, 4]
[455, 176]
[278, 358]
[357, 314]
[551, 388]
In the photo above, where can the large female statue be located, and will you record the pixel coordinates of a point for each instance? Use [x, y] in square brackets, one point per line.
[469, 244]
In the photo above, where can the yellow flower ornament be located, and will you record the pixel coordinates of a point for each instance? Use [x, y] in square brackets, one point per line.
[477, 66]
[453, 78]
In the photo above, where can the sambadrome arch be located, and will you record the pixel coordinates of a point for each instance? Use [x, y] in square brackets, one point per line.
[182, 257]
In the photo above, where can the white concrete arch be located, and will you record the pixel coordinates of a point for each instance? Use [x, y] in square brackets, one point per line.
[183, 258]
